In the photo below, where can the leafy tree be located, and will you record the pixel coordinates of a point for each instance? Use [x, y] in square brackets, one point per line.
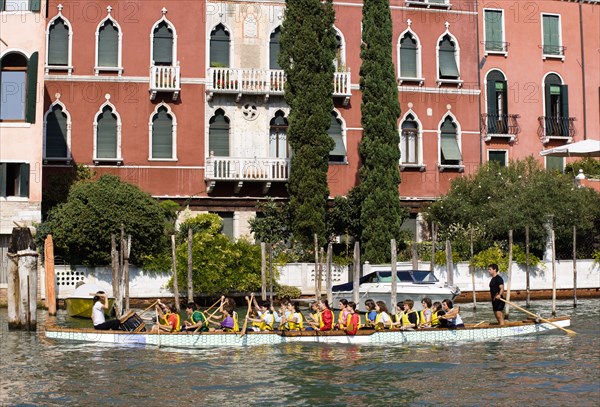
[56, 186]
[381, 215]
[307, 53]
[273, 224]
[590, 167]
[219, 265]
[94, 210]
[496, 199]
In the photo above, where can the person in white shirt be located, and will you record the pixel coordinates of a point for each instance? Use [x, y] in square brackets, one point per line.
[100, 304]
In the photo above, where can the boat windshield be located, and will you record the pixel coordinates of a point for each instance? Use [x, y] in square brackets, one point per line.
[410, 276]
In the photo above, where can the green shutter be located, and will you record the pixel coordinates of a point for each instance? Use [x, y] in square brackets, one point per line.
[56, 133]
[564, 110]
[493, 30]
[108, 45]
[498, 156]
[106, 142]
[162, 45]
[31, 98]
[218, 136]
[34, 5]
[3, 171]
[555, 163]
[58, 47]
[162, 134]
[227, 223]
[24, 180]
[448, 66]
[408, 57]
[274, 49]
[450, 149]
[551, 35]
[219, 47]
[492, 107]
[1, 5]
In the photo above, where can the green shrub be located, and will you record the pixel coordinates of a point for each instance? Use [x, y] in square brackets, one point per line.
[287, 291]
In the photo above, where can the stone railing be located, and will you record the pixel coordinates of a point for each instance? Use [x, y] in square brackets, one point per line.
[164, 79]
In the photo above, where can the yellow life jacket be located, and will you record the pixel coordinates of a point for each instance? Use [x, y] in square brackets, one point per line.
[177, 324]
[422, 317]
[349, 319]
[236, 325]
[398, 316]
[320, 319]
[378, 323]
[406, 321]
[340, 320]
[434, 319]
[263, 325]
[296, 326]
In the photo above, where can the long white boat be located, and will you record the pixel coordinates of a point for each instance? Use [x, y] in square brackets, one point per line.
[411, 284]
[471, 332]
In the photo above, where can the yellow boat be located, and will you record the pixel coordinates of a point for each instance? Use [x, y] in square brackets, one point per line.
[80, 303]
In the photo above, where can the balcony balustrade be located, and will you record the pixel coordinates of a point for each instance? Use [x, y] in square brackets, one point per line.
[504, 125]
[556, 128]
[164, 79]
[245, 169]
[267, 82]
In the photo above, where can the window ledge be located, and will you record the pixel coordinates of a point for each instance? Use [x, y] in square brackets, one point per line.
[108, 161]
[510, 137]
[547, 139]
[58, 160]
[98, 69]
[410, 80]
[457, 82]
[19, 12]
[408, 167]
[345, 162]
[68, 69]
[14, 199]
[490, 52]
[553, 56]
[427, 4]
[164, 159]
[15, 125]
[458, 168]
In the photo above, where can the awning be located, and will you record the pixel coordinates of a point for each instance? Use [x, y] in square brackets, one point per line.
[450, 150]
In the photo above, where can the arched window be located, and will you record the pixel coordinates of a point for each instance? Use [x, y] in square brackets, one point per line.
[556, 96]
[107, 134]
[408, 56]
[108, 45]
[162, 129]
[18, 87]
[218, 134]
[274, 48]
[338, 154]
[409, 141]
[449, 147]
[339, 62]
[447, 54]
[58, 43]
[278, 146]
[56, 131]
[162, 44]
[497, 103]
[219, 47]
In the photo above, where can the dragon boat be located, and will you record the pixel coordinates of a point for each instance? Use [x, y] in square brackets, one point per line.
[470, 333]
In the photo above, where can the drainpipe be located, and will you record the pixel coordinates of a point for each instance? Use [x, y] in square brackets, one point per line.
[582, 69]
[479, 66]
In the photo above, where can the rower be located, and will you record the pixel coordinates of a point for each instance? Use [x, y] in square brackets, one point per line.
[451, 315]
[410, 317]
[101, 304]
[353, 319]
[265, 319]
[196, 319]
[383, 320]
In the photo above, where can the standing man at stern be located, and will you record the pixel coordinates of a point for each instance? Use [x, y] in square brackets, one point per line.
[497, 292]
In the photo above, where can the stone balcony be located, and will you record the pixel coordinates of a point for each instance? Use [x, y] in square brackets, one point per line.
[556, 128]
[267, 82]
[500, 126]
[245, 169]
[165, 79]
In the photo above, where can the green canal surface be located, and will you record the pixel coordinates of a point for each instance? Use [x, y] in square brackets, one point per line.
[552, 369]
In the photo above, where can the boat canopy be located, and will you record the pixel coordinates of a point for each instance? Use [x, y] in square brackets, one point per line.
[404, 276]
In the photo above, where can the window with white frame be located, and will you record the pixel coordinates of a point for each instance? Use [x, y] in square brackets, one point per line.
[494, 31]
[278, 146]
[57, 128]
[14, 180]
[409, 141]
[340, 52]
[450, 154]
[497, 103]
[18, 87]
[107, 128]
[20, 5]
[409, 56]
[551, 33]
[555, 163]
[447, 56]
[338, 154]
[274, 48]
[162, 44]
[556, 97]
[498, 156]
[162, 133]
[108, 45]
[218, 134]
[59, 37]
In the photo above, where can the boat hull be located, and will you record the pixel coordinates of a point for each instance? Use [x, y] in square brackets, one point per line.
[82, 307]
[364, 337]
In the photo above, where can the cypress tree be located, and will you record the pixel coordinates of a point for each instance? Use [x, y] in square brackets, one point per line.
[307, 54]
[381, 215]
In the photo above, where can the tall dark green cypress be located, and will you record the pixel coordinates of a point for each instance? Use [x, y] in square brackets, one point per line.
[307, 54]
[381, 215]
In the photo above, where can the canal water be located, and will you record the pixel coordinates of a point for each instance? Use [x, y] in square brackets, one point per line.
[552, 369]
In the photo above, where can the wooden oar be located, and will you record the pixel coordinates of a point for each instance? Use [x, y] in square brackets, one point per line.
[158, 324]
[212, 306]
[146, 310]
[537, 316]
[243, 331]
[208, 318]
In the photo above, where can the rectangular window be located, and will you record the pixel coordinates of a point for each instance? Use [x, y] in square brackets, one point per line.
[409, 147]
[450, 151]
[15, 5]
[555, 164]
[498, 156]
[12, 101]
[493, 31]
[448, 66]
[551, 39]
[227, 224]
[338, 154]
[14, 180]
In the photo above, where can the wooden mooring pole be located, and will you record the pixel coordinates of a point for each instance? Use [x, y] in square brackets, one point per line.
[190, 283]
[509, 272]
[174, 262]
[263, 271]
[22, 280]
[50, 279]
[356, 274]
[394, 291]
[329, 282]
[574, 266]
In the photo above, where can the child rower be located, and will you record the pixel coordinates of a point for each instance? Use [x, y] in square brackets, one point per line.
[343, 314]
[383, 320]
[436, 313]
[227, 324]
[196, 319]
[295, 321]
[265, 319]
[451, 315]
[370, 314]
[397, 319]
[410, 317]
[425, 314]
[352, 320]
